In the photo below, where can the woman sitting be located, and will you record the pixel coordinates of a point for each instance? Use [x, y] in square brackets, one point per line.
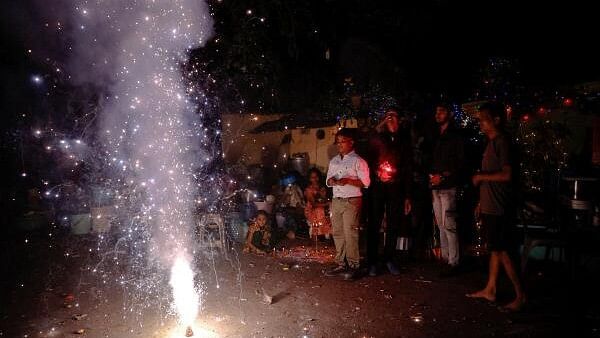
[258, 239]
[316, 204]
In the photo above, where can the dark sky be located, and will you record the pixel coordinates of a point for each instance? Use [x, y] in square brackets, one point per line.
[435, 46]
[442, 43]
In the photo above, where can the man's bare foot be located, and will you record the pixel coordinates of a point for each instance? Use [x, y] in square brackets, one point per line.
[516, 305]
[485, 294]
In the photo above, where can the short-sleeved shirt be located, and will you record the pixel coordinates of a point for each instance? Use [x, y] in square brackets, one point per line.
[495, 197]
[350, 166]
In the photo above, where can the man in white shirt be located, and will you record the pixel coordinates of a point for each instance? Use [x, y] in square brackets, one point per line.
[348, 173]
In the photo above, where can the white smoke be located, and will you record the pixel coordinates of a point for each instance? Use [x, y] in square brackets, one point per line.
[133, 52]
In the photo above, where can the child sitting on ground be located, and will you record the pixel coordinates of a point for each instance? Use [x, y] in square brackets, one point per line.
[258, 239]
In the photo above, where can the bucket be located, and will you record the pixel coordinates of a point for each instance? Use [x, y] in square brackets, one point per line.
[265, 206]
[248, 211]
[81, 224]
[101, 218]
[248, 195]
[299, 162]
[280, 220]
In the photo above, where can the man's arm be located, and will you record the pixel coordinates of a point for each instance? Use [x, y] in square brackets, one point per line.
[351, 181]
[362, 169]
[504, 175]
[330, 181]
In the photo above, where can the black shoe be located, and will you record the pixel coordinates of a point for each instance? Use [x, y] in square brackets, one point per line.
[373, 270]
[351, 274]
[335, 271]
[392, 268]
[450, 271]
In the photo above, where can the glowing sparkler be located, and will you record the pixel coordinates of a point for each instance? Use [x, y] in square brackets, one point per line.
[185, 297]
[386, 171]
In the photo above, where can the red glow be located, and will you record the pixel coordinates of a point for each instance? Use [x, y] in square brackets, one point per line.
[387, 167]
[509, 112]
[386, 171]
[525, 117]
[568, 102]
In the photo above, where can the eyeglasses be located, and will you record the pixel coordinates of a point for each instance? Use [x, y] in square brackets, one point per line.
[342, 141]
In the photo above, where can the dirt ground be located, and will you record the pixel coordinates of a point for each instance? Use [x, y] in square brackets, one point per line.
[45, 293]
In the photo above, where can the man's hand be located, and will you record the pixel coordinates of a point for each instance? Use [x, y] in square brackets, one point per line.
[477, 210]
[407, 206]
[477, 179]
[332, 181]
[435, 179]
[343, 181]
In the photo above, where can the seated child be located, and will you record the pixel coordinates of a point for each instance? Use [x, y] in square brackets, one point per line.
[258, 239]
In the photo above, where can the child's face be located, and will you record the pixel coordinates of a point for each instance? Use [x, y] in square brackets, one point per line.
[314, 178]
[261, 220]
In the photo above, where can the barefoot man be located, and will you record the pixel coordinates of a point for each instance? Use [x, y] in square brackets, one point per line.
[494, 183]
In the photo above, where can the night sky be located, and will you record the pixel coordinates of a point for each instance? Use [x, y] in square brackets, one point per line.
[433, 47]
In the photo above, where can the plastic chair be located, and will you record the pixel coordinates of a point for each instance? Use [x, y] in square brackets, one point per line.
[211, 232]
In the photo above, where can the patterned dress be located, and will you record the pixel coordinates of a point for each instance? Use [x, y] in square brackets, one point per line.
[317, 214]
[258, 238]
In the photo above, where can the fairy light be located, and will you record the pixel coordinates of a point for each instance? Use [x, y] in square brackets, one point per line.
[36, 79]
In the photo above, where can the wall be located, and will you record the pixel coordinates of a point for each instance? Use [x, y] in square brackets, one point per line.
[239, 146]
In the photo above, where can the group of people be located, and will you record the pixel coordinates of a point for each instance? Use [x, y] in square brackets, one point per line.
[313, 204]
[379, 185]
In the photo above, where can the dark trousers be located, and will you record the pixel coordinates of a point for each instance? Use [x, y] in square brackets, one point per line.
[384, 198]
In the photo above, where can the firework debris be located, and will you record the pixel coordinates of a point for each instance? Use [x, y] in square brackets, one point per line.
[264, 296]
[79, 316]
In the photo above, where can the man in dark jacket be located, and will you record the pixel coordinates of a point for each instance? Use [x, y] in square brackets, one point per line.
[447, 161]
[390, 163]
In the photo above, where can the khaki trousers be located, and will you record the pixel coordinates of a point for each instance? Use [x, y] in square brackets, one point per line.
[345, 218]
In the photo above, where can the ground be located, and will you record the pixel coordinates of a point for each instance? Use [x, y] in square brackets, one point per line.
[46, 293]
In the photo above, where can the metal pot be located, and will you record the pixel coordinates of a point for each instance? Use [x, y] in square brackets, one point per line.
[248, 195]
[579, 188]
[299, 162]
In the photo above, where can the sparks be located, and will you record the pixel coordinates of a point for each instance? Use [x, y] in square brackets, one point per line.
[185, 297]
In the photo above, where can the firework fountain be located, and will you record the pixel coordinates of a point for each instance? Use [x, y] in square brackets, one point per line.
[150, 137]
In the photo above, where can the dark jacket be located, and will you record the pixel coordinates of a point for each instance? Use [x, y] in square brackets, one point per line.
[397, 151]
[448, 158]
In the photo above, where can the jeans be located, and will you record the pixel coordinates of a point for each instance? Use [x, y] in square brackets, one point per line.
[444, 209]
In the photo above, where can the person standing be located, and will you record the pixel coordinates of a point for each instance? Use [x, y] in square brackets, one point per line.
[494, 207]
[447, 161]
[391, 170]
[347, 174]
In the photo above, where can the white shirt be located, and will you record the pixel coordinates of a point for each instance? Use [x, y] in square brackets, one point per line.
[351, 166]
